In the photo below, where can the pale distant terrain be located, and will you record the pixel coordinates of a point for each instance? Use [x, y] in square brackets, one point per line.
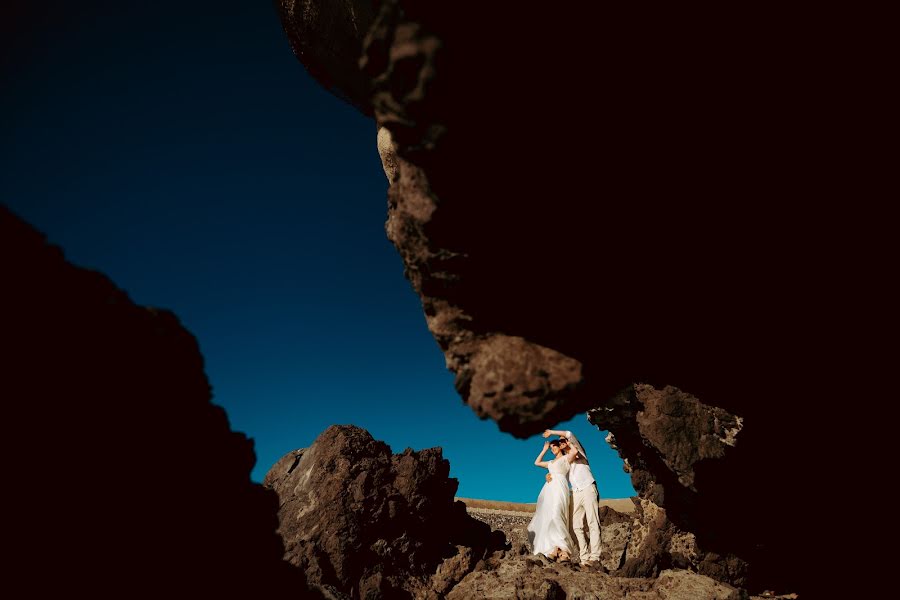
[618, 504]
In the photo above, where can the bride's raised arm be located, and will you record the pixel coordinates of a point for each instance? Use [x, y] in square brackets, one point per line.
[537, 461]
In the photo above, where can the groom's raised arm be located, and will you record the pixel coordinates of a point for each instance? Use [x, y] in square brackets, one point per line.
[573, 441]
[548, 432]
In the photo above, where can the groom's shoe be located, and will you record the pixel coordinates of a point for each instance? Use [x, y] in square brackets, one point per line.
[595, 566]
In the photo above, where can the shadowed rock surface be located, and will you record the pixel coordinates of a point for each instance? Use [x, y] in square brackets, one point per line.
[323, 35]
[681, 453]
[567, 243]
[126, 480]
[367, 523]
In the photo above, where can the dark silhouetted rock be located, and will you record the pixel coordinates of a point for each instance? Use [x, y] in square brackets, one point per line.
[588, 199]
[326, 35]
[123, 478]
[374, 524]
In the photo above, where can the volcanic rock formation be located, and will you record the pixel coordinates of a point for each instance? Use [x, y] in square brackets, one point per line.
[589, 200]
[363, 522]
[679, 452]
[126, 481]
[532, 579]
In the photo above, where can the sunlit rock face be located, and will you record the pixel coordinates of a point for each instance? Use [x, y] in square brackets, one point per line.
[364, 522]
[588, 200]
[124, 479]
[671, 440]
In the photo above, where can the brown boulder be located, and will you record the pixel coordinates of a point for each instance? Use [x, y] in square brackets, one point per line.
[370, 523]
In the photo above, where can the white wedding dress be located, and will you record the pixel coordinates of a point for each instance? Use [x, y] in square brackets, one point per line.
[549, 528]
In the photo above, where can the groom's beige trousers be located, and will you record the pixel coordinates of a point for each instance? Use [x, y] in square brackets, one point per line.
[585, 504]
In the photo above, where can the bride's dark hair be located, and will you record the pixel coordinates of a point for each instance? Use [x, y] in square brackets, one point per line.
[555, 443]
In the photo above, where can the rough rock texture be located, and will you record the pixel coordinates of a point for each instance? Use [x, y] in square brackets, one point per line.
[641, 543]
[665, 435]
[123, 477]
[615, 535]
[528, 578]
[367, 523]
[567, 244]
[647, 552]
[676, 448]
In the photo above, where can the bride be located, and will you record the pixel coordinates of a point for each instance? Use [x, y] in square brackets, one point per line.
[548, 531]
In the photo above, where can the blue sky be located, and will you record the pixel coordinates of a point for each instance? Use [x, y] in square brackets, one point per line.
[187, 154]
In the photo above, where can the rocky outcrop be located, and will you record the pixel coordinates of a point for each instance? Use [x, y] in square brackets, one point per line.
[676, 449]
[125, 479]
[667, 437]
[567, 244]
[548, 299]
[367, 523]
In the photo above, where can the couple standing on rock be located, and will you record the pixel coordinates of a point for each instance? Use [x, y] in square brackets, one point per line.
[559, 512]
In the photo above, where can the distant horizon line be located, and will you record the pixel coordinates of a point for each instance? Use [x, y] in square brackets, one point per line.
[617, 504]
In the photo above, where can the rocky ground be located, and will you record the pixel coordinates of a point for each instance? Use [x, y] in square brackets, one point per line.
[534, 578]
[537, 577]
[513, 524]
[362, 522]
[621, 533]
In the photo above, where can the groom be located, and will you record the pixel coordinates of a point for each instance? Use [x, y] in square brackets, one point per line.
[585, 498]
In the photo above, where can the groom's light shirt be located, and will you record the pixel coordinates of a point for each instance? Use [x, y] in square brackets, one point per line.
[580, 475]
